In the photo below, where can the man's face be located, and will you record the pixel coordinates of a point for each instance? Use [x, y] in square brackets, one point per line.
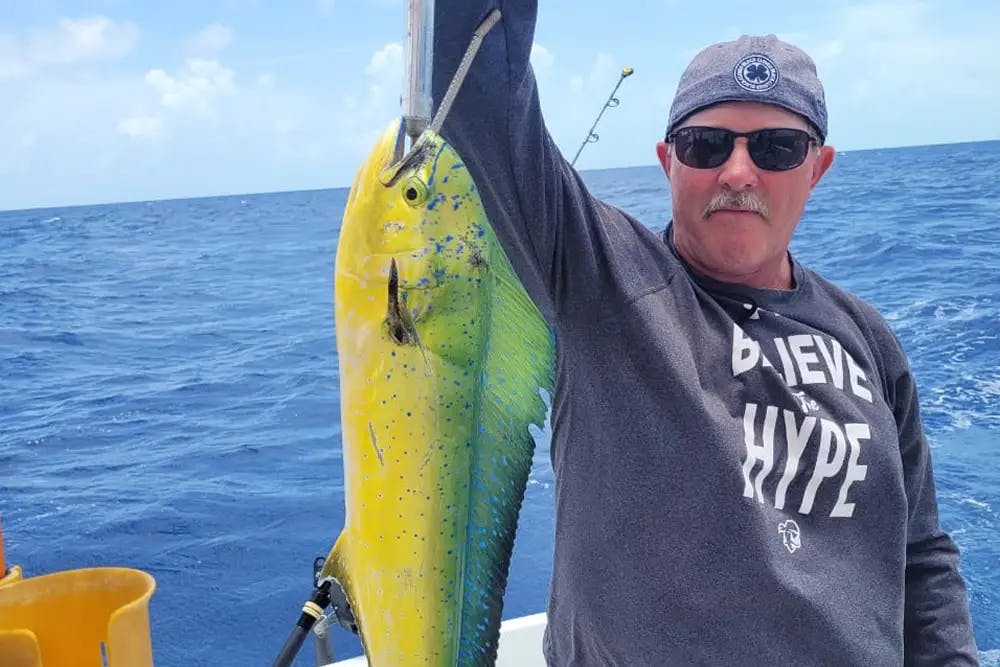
[733, 244]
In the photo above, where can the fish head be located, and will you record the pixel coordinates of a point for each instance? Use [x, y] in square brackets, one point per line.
[420, 213]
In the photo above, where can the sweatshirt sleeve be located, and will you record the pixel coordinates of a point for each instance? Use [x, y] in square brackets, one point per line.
[535, 201]
[937, 623]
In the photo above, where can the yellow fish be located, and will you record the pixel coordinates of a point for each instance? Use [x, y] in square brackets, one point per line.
[442, 358]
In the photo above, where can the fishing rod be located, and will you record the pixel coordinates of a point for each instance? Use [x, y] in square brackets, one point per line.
[612, 102]
[417, 102]
[328, 592]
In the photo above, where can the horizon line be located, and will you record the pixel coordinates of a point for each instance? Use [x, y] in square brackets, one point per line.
[343, 187]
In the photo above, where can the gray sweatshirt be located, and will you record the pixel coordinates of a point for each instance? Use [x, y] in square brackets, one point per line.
[741, 474]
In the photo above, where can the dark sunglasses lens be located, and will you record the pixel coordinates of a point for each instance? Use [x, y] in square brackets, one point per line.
[779, 149]
[703, 147]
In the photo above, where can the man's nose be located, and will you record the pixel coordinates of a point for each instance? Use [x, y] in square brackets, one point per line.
[739, 172]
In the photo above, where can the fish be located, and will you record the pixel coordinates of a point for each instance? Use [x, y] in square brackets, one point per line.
[445, 362]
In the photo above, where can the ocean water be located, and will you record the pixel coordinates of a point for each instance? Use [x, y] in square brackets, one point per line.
[168, 385]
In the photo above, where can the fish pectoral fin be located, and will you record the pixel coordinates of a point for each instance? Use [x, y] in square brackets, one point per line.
[420, 346]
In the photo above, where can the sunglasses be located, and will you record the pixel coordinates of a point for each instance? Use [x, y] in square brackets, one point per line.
[772, 149]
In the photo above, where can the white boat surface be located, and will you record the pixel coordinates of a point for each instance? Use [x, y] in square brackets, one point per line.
[520, 644]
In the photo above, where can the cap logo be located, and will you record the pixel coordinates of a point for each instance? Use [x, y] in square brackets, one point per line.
[756, 73]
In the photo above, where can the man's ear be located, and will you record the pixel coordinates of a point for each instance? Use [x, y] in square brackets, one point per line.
[822, 163]
[663, 151]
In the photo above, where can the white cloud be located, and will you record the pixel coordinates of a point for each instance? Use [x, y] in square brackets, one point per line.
[542, 60]
[603, 74]
[386, 63]
[385, 69]
[137, 127]
[69, 42]
[79, 40]
[194, 87]
[605, 70]
[210, 41]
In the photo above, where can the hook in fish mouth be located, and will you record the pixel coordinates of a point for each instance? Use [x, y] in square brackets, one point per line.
[401, 164]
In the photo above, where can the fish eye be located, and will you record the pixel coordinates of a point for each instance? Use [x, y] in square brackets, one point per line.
[414, 191]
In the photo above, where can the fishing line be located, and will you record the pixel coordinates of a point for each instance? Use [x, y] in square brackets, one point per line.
[463, 69]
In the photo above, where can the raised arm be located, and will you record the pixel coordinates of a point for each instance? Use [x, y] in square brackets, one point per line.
[496, 125]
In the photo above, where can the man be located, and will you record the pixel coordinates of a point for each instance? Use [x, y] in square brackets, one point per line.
[741, 471]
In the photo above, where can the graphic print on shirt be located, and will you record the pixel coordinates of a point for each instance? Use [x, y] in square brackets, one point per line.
[780, 442]
[790, 535]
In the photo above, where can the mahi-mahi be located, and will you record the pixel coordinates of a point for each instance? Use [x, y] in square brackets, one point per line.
[442, 358]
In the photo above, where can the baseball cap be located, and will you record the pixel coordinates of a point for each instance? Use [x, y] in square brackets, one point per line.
[752, 69]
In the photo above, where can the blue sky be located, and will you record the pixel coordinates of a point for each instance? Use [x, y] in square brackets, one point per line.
[118, 100]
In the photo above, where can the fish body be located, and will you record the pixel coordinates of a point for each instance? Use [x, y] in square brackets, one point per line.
[442, 356]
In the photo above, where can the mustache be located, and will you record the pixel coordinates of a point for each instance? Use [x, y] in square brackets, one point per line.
[744, 200]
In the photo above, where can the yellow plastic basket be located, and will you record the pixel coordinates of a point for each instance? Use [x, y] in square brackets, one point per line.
[77, 618]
